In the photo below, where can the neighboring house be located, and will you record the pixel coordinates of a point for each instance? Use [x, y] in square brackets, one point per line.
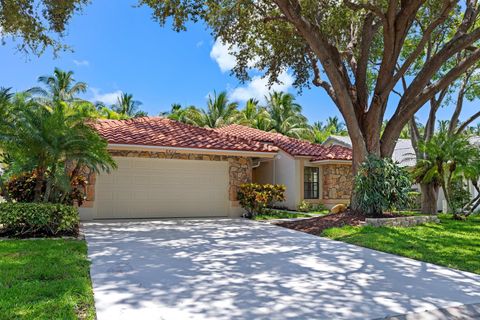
[170, 169]
[404, 154]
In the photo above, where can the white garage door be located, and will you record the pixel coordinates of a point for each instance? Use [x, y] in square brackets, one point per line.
[161, 188]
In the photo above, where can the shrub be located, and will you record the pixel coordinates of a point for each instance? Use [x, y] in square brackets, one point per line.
[254, 198]
[380, 185]
[459, 195]
[21, 189]
[305, 206]
[38, 219]
[414, 200]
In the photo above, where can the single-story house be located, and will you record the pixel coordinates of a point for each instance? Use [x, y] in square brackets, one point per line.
[170, 169]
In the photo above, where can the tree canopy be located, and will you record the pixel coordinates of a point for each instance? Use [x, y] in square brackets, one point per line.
[37, 24]
[359, 52]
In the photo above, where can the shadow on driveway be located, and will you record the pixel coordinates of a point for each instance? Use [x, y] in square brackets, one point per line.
[240, 269]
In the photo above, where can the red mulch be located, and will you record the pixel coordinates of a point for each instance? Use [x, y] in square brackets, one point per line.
[316, 225]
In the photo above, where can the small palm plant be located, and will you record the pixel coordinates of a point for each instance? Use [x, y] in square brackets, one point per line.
[48, 140]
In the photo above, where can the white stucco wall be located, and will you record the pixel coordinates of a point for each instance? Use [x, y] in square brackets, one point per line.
[287, 172]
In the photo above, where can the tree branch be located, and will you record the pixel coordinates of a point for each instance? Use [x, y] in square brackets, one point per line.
[448, 6]
[467, 122]
[364, 5]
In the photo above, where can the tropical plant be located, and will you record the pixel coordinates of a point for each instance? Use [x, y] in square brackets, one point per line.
[254, 116]
[380, 185]
[178, 113]
[59, 86]
[54, 142]
[286, 115]
[450, 157]
[127, 106]
[219, 112]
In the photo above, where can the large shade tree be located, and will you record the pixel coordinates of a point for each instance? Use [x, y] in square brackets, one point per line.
[357, 51]
[37, 24]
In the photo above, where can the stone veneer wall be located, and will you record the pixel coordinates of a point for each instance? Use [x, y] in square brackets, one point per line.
[337, 182]
[239, 169]
[401, 221]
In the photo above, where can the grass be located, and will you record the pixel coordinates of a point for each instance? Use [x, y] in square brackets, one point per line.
[454, 244]
[45, 279]
[280, 214]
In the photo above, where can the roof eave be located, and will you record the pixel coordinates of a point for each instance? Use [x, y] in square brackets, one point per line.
[135, 147]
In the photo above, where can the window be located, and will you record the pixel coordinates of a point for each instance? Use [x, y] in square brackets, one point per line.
[311, 183]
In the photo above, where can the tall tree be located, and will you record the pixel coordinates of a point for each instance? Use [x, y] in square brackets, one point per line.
[286, 115]
[127, 106]
[182, 114]
[38, 24]
[59, 86]
[466, 87]
[220, 111]
[255, 116]
[365, 48]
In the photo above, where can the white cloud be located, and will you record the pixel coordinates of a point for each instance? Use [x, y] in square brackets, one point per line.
[108, 98]
[258, 88]
[81, 63]
[220, 53]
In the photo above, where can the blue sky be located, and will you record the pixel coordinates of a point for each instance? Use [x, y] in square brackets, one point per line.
[120, 48]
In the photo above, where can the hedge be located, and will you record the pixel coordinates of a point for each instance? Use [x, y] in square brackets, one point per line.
[38, 219]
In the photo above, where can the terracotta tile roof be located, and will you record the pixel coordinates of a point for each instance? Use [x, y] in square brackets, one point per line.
[157, 131]
[294, 147]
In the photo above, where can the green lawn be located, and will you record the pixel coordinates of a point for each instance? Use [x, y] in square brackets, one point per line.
[454, 244]
[45, 279]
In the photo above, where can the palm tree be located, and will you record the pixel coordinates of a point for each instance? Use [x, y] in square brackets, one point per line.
[219, 112]
[336, 126]
[450, 158]
[286, 115]
[127, 106]
[47, 139]
[59, 86]
[254, 116]
[181, 114]
[6, 126]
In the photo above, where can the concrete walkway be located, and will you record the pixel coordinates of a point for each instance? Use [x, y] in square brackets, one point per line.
[238, 269]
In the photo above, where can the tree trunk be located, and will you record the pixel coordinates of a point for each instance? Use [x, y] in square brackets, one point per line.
[4, 191]
[429, 197]
[38, 186]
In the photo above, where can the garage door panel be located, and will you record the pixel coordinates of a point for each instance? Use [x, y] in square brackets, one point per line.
[156, 188]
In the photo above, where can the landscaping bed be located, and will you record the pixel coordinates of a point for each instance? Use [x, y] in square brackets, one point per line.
[317, 225]
[45, 278]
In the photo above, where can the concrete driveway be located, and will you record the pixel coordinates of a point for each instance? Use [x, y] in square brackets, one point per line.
[238, 269]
